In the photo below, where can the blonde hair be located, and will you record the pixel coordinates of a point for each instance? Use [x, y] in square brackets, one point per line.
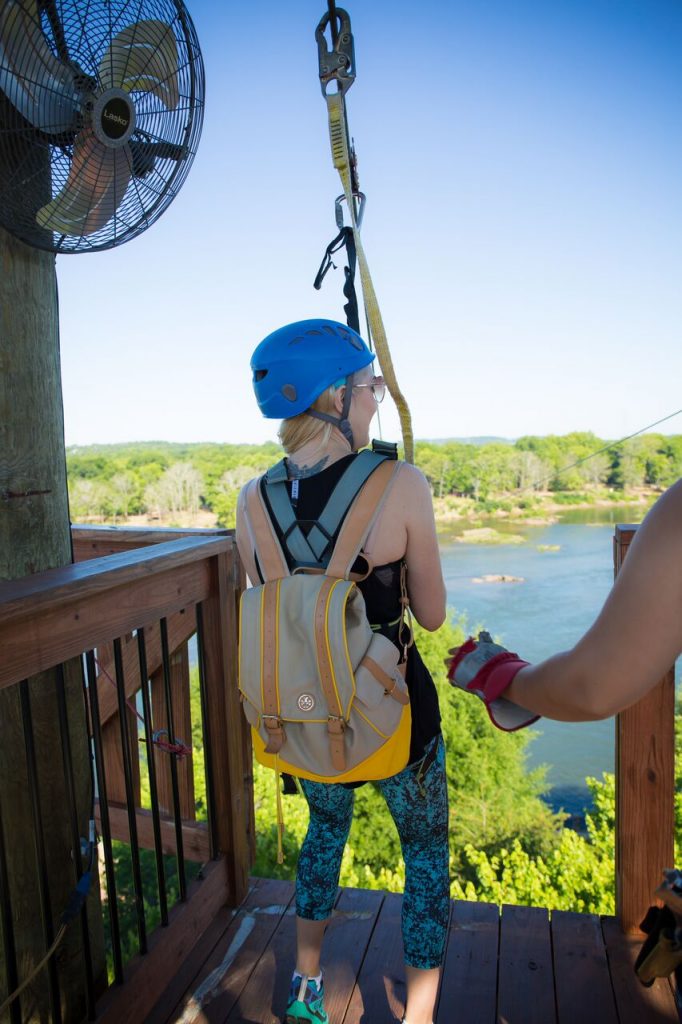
[299, 430]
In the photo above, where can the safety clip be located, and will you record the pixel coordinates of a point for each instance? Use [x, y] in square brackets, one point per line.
[361, 199]
[339, 63]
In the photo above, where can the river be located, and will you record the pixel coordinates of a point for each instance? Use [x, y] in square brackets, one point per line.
[561, 592]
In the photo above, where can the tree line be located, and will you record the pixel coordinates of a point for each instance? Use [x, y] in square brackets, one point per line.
[171, 481]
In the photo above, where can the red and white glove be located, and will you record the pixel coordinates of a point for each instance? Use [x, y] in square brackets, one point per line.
[486, 669]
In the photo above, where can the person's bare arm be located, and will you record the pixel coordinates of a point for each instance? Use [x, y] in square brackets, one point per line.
[424, 572]
[635, 638]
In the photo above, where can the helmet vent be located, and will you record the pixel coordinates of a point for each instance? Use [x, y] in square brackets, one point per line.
[289, 391]
[259, 374]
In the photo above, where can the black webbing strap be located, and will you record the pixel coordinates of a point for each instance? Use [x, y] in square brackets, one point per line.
[344, 238]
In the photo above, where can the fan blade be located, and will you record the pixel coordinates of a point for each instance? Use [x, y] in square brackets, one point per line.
[143, 57]
[34, 80]
[98, 179]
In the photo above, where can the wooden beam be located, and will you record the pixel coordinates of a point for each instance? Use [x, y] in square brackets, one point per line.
[645, 787]
[57, 619]
[195, 842]
[54, 587]
[96, 541]
[146, 976]
[225, 725]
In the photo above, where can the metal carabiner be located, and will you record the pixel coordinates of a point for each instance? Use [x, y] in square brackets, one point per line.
[338, 209]
[339, 63]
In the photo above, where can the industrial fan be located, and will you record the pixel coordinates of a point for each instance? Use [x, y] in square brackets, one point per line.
[101, 106]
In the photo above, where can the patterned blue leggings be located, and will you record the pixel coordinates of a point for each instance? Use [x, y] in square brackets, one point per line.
[419, 808]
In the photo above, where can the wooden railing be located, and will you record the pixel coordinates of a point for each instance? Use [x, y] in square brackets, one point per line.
[137, 608]
[133, 611]
[645, 786]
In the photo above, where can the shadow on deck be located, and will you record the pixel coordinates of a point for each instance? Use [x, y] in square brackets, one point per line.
[520, 967]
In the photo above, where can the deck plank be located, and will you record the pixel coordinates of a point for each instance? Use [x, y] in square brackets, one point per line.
[218, 985]
[469, 986]
[525, 987]
[345, 947]
[636, 1004]
[581, 970]
[263, 998]
[379, 996]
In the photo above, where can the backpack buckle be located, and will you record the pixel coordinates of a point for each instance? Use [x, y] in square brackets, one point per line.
[276, 735]
[336, 725]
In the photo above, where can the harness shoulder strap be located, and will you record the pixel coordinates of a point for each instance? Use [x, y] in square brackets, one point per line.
[341, 498]
[361, 518]
[309, 549]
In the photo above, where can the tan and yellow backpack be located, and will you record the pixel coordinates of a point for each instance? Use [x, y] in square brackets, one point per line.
[322, 691]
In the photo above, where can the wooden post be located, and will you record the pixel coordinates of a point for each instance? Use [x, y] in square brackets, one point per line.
[645, 787]
[35, 535]
[226, 728]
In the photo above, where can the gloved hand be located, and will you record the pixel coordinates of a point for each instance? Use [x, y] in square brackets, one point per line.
[486, 669]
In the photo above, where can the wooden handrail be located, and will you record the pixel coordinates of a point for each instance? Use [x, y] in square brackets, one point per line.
[55, 615]
[645, 786]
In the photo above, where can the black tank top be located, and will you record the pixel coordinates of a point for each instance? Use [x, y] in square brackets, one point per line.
[381, 591]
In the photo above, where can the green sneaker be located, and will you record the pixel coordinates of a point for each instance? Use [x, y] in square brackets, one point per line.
[306, 1003]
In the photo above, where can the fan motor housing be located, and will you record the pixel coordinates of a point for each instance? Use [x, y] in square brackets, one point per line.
[113, 118]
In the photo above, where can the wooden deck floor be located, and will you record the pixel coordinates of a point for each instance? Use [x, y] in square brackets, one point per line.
[519, 967]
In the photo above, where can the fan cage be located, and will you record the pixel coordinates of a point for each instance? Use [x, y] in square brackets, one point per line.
[40, 158]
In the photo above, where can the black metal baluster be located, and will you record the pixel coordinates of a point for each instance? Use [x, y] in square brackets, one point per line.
[9, 949]
[104, 818]
[67, 760]
[41, 857]
[165, 654]
[148, 732]
[206, 734]
[130, 798]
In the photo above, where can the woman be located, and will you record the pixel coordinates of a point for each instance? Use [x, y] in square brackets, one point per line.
[316, 375]
[633, 642]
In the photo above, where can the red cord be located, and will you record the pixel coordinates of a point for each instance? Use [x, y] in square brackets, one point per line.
[178, 748]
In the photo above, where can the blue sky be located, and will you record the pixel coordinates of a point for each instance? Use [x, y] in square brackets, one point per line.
[523, 167]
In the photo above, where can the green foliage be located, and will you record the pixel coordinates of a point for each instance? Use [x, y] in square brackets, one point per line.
[112, 481]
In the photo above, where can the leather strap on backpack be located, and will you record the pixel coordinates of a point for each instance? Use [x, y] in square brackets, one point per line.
[360, 519]
[336, 724]
[271, 560]
[270, 682]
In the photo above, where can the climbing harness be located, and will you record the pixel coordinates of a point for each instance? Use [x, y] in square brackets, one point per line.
[338, 65]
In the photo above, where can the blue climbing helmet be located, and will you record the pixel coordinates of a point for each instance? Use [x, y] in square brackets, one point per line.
[295, 364]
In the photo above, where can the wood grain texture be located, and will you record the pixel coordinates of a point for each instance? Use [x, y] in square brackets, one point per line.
[146, 976]
[581, 970]
[469, 985]
[195, 842]
[645, 787]
[635, 1003]
[48, 634]
[525, 988]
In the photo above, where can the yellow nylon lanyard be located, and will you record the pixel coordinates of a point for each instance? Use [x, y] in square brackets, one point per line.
[338, 135]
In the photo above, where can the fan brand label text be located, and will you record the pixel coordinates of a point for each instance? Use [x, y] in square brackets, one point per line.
[114, 117]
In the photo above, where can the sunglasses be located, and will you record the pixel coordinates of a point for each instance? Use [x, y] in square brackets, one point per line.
[378, 389]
